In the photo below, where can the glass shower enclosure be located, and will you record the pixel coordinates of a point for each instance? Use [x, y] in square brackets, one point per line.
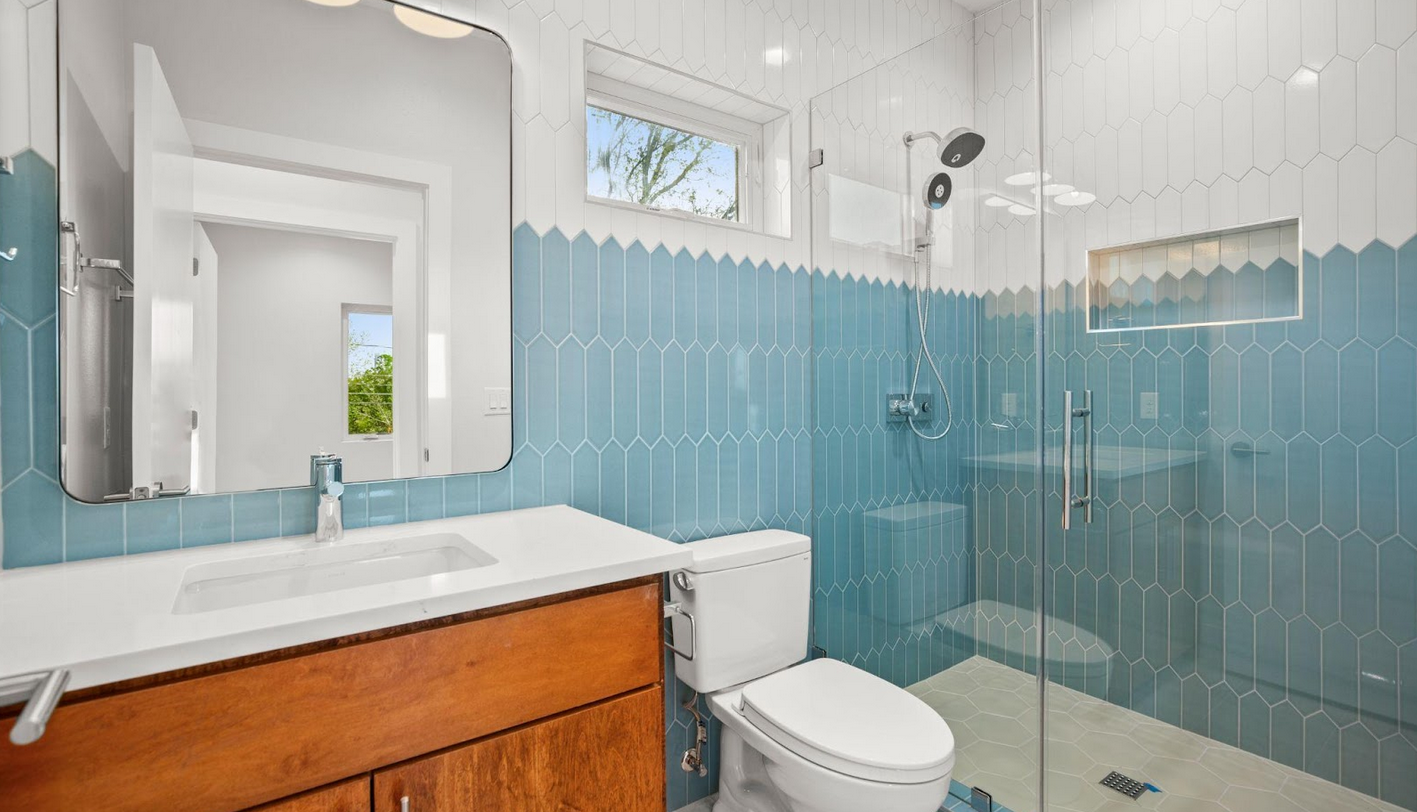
[1169, 533]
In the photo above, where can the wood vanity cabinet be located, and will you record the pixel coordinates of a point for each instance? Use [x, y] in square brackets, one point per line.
[598, 759]
[346, 796]
[551, 704]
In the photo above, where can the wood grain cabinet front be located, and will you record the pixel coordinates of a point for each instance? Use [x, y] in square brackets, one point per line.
[346, 796]
[234, 737]
[605, 758]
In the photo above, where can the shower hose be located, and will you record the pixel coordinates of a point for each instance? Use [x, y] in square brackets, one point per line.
[922, 320]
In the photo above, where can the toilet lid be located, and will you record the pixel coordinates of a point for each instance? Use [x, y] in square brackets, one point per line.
[847, 720]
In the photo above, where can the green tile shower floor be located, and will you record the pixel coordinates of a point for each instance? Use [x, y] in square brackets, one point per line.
[992, 710]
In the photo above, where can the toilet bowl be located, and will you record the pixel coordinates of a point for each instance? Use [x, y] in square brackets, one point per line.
[816, 736]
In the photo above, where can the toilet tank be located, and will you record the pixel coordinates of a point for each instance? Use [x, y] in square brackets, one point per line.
[750, 595]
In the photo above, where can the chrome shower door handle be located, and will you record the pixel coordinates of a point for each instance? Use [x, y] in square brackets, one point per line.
[1089, 459]
[1084, 500]
[1068, 460]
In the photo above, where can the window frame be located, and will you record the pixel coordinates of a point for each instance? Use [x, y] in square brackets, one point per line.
[346, 310]
[657, 108]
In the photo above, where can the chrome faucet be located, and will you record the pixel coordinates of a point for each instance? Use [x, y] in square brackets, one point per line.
[327, 475]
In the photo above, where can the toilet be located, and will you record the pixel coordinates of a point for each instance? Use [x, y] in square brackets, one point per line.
[816, 736]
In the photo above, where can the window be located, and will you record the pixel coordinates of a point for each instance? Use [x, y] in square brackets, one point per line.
[369, 370]
[631, 159]
[669, 142]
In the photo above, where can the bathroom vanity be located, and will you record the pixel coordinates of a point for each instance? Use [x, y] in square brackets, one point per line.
[430, 693]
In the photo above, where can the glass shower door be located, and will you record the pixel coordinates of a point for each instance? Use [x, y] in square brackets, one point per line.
[925, 527]
[1230, 402]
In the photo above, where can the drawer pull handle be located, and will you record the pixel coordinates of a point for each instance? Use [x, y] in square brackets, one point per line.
[41, 693]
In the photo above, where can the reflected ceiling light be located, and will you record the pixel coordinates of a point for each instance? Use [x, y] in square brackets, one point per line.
[1056, 189]
[1075, 198]
[1025, 179]
[334, 2]
[996, 202]
[1020, 210]
[431, 24]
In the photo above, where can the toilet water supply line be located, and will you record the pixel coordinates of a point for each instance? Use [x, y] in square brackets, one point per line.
[693, 761]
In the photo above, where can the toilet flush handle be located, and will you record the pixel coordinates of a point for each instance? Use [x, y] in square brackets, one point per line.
[681, 580]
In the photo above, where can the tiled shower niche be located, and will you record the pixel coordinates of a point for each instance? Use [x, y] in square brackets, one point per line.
[1236, 275]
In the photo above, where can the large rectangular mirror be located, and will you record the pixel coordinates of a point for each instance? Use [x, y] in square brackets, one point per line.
[286, 228]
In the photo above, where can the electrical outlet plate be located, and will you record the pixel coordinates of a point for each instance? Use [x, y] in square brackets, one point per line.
[1148, 406]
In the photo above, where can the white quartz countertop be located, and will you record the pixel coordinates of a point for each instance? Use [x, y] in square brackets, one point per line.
[111, 619]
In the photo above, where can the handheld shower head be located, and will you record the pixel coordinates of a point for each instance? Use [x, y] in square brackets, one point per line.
[937, 191]
[961, 147]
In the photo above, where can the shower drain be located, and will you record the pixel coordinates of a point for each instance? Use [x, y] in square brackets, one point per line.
[1121, 783]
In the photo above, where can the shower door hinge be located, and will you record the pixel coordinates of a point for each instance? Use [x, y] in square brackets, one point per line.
[7, 165]
[425, 455]
[196, 266]
[196, 419]
[816, 158]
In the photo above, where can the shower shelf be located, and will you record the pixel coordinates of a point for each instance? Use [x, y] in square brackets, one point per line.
[1246, 274]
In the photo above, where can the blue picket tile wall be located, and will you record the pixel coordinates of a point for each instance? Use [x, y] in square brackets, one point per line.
[670, 394]
[880, 595]
[1264, 601]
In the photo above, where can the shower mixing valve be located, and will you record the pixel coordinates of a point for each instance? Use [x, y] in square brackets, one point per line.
[901, 407]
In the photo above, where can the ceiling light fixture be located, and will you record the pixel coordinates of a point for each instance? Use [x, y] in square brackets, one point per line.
[1025, 179]
[334, 2]
[431, 24]
[996, 202]
[1020, 210]
[1075, 199]
[1054, 189]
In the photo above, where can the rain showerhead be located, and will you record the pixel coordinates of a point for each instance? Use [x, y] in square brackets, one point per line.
[937, 190]
[957, 149]
[961, 147]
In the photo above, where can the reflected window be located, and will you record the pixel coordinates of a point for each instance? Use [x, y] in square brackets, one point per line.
[369, 370]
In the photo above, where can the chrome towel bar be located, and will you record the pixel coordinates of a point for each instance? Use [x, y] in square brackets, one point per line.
[42, 691]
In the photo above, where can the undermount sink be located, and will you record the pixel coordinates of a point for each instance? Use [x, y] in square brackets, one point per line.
[340, 565]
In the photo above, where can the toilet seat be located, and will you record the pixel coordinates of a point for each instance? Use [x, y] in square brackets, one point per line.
[846, 720]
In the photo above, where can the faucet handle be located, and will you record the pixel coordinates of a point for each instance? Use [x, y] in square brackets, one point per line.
[325, 469]
[334, 490]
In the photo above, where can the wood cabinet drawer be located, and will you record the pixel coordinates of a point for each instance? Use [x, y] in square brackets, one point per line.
[605, 758]
[238, 738]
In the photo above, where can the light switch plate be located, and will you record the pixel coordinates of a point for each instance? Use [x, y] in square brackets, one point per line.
[499, 400]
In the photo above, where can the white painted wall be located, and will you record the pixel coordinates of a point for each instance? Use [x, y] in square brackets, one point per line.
[282, 357]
